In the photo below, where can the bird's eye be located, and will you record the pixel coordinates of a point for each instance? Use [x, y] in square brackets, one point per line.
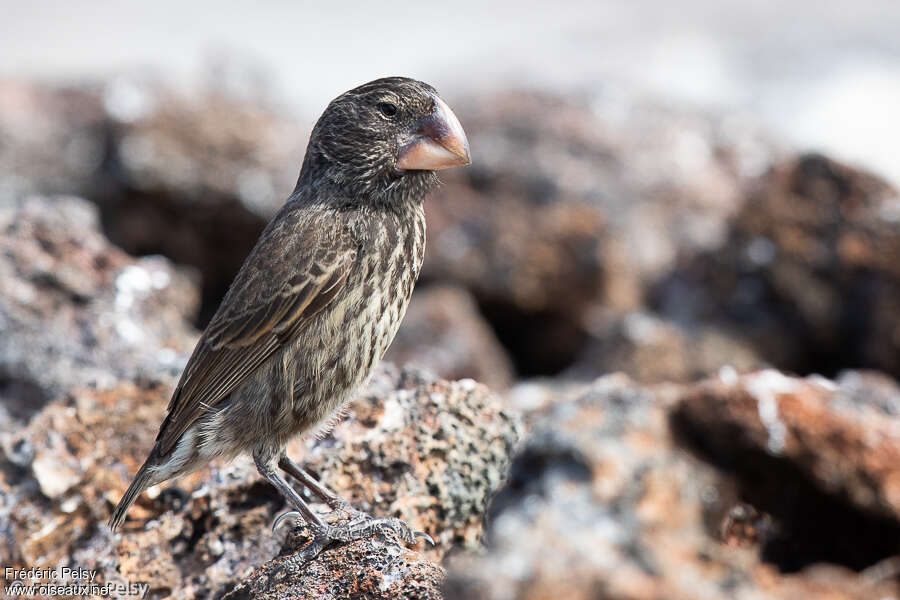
[388, 109]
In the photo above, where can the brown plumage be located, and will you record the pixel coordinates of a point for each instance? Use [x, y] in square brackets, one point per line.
[319, 298]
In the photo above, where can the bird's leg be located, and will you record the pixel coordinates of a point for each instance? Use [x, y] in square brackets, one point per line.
[357, 528]
[333, 501]
[359, 519]
[267, 469]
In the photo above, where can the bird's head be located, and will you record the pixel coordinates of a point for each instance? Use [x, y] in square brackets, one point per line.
[386, 137]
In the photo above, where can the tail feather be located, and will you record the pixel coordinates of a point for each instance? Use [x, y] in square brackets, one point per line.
[141, 482]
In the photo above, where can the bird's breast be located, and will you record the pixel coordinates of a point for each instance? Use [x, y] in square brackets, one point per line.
[355, 330]
[388, 269]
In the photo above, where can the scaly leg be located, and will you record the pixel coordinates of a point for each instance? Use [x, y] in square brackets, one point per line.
[333, 501]
[323, 534]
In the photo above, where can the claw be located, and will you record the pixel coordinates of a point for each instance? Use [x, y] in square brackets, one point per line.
[358, 527]
[292, 515]
[424, 536]
[400, 528]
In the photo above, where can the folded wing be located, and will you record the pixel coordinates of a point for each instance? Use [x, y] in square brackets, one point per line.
[282, 285]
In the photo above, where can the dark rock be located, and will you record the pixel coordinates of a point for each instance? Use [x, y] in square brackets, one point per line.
[444, 333]
[572, 206]
[743, 486]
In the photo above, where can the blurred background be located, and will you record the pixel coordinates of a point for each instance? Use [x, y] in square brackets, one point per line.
[823, 74]
[679, 192]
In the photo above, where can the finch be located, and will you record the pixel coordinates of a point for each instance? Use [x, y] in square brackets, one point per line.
[318, 300]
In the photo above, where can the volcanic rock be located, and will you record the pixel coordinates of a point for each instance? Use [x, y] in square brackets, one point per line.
[755, 486]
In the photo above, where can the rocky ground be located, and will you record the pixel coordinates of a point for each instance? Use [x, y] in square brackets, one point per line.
[754, 486]
[642, 295]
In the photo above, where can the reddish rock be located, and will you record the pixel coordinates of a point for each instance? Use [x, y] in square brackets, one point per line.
[430, 452]
[847, 445]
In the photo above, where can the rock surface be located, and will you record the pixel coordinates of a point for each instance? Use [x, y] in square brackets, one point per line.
[427, 450]
[809, 272]
[444, 333]
[194, 179]
[808, 452]
[577, 244]
[652, 349]
[575, 206]
[432, 454]
[75, 310]
[610, 496]
[373, 569]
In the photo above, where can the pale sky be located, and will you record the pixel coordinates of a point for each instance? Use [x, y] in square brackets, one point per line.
[819, 74]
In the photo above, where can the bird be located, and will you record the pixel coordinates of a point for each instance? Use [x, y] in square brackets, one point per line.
[316, 303]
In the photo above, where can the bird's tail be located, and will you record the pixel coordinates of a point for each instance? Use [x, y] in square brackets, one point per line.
[141, 482]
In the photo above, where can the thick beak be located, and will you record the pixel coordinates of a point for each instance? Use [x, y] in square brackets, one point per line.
[436, 142]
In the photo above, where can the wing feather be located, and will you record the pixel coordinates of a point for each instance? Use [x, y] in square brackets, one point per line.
[239, 341]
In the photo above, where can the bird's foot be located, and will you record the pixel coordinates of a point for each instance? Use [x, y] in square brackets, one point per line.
[361, 526]
[365, 526]
[310, 551]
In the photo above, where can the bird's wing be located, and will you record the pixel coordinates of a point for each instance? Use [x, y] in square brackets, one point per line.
[288, 277]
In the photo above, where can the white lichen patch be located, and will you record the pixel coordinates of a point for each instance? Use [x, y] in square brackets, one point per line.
[132, 283]
[160, 279]
[129, 331]
[823, 382]
[728, 375]
[766, 386]
[54, 476]
[394, 417]
[641, 328]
